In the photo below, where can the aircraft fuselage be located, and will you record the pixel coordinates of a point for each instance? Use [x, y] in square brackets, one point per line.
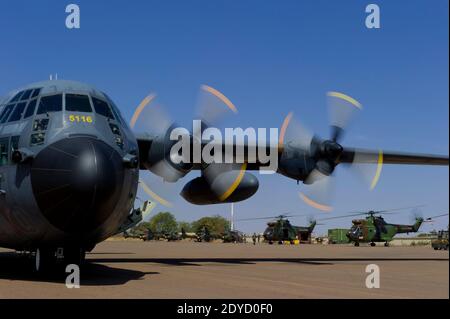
[65, 173]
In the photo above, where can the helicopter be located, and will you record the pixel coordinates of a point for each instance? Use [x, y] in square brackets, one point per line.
[373, 228]
[281, 230]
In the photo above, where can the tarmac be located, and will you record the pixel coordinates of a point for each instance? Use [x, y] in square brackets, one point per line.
[185, 270]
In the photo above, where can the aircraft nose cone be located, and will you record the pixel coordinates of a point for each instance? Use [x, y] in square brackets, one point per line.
[77, 183]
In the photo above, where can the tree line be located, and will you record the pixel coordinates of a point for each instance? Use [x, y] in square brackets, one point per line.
[166, 223]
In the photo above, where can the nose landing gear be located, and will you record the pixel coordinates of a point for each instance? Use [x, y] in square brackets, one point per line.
[44, 260]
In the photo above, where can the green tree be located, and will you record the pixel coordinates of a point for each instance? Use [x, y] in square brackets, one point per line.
[186, 226]
[217, 225]
[163, 222]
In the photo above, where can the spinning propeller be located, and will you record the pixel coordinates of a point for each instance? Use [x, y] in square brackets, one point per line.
[327, 153]
[153, 122]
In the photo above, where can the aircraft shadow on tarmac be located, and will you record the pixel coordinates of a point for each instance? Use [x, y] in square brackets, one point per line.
[249, 261]
[15, 267]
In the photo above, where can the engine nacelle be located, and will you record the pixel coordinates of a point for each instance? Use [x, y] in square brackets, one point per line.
[295, 163]
[199, 192]
[160, 161]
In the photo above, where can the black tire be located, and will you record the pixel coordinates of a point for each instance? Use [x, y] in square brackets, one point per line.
[372, 244]
[43, 260]
[386, 244]
[356, 244]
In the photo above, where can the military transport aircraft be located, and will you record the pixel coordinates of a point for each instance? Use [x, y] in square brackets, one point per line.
[69, 169]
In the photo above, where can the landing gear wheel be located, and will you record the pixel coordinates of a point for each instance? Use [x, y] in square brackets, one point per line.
[74, 255]
[372, 244]
[356, 244]
[43, 259]
[386, 244]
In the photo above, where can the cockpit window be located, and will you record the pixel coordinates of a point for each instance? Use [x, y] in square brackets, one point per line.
[35, 92]
[78, 103]
[17, 97]
[50, 103]
[18, 111]
[30, 108]
[26, 95]
[6, 112]
[102, 108]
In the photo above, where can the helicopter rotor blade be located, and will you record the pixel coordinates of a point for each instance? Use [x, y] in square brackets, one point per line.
[434, 217]
[400, 208]
[342, 216]
[272, 217]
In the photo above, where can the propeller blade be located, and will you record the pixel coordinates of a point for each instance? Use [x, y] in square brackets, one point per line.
[295, 134]
[150, 117]
[319, 192]
[161, 199]
[213, 106]
[342, 109]
[153, 120]
[364, 171]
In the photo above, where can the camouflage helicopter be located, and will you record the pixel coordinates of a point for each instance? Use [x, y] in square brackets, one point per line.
[375, 229]
[281, 230]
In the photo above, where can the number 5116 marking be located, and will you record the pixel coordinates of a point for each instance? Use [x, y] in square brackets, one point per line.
[80, 119]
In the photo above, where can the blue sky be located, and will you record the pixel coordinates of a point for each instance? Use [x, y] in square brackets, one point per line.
[268, 57]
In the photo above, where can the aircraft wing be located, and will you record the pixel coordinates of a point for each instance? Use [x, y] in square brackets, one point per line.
[355, 155]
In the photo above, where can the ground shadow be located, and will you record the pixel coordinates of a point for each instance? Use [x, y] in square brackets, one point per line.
[96, 273]
[200, 261]
[16, 267]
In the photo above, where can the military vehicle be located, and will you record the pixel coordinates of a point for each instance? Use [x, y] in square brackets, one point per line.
[69, 167]
[375, 229]
[233, 236]
[441, 242]
[338, 236]
[281, 230]
[204, 235]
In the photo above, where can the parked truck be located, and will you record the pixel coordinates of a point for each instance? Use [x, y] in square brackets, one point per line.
[338, 236]
[441, 242]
